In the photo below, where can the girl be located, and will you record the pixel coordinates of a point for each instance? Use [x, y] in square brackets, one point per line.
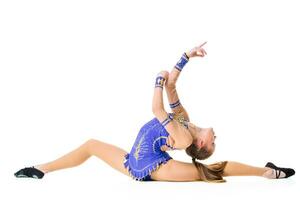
[148, 158]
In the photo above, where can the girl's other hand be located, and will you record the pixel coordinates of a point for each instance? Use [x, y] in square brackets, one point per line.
[197, 51]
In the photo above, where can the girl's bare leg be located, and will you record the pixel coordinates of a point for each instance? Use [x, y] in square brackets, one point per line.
[181, 171]
[175, 170]
[240, 169]
[112, 155]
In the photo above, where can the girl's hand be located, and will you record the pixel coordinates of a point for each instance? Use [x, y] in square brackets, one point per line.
[164, 74]
[197, 51]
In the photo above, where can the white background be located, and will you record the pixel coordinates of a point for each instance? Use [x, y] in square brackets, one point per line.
[74, 70]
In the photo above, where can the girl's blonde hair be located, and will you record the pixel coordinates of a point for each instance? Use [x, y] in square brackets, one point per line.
[208, 173]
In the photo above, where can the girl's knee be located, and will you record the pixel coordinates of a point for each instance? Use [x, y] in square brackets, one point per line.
[90, 144]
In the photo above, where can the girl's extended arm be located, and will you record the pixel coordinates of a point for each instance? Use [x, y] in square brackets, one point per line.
[181, 139]
[172, 94]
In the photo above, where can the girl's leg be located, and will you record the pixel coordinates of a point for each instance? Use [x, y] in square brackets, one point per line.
[176, 171]
[112, 155]
[240, 169]
[181, 171]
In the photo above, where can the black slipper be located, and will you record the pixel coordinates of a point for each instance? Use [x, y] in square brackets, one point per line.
[288, 171]
[29, 172]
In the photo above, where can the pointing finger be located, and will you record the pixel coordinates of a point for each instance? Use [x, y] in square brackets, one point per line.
[202, 44]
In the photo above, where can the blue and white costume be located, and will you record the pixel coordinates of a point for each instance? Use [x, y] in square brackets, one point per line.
[146, 154]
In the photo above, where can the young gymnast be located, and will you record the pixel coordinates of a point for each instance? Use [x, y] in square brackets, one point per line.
[148, 159]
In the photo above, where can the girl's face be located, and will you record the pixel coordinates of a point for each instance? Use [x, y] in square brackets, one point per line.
[206, 138]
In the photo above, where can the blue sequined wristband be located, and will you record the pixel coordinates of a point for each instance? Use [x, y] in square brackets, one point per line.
[159, 82]
[182, 62]
[174, 105]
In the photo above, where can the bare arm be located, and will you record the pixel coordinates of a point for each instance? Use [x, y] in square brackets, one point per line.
[174, 100]
[172, 94]
[181, 139]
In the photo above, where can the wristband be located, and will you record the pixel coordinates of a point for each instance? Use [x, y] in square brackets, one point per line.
[182, 62]
[168, 119]
[159, 82]
[174, 105]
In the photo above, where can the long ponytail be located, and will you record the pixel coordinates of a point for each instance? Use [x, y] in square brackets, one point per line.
[208, 173]
[212, 172]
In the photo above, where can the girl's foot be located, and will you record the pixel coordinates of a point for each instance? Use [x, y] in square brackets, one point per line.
[275, 172]
[29, 172]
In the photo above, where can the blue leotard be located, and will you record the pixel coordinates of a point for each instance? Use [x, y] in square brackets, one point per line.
[146, 154]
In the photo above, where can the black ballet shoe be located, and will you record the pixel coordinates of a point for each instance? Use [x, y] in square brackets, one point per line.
[288, 171]
[29, 172]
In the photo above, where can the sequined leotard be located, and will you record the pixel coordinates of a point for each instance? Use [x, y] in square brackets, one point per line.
[146, 154]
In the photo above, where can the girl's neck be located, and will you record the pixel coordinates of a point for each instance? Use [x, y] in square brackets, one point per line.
[193, 130]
